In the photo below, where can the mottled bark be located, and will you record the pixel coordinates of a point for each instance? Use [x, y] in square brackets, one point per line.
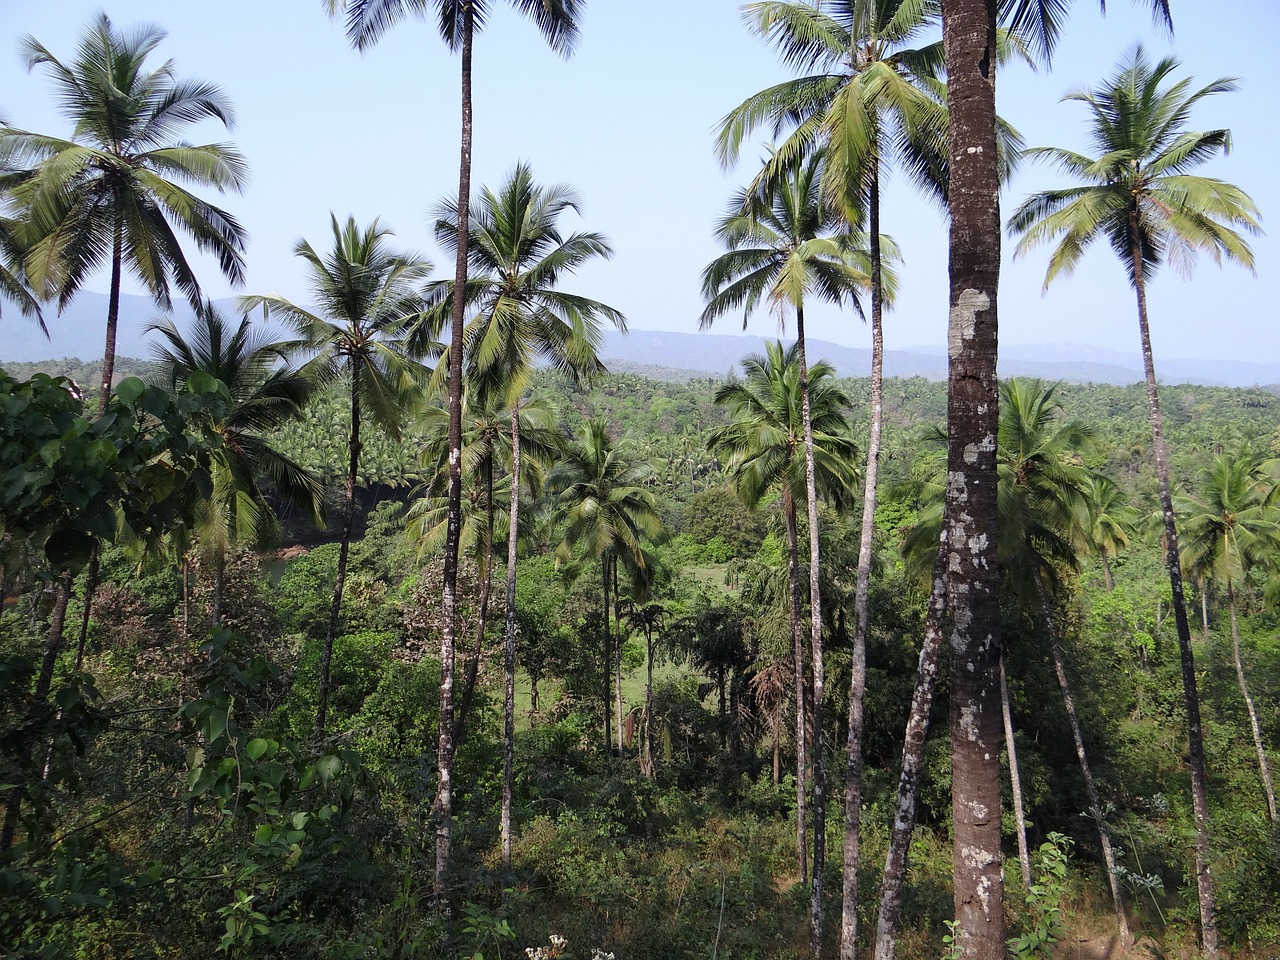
[1173, 561]
[913, 741]
[973, 600]
[818, 874]
[862, 594]
[113, 320]
[442, 807]
[486, 589]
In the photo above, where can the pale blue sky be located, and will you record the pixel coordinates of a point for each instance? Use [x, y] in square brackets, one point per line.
[629, 122]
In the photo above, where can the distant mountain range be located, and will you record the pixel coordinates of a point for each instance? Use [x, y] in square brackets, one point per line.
[78, 332]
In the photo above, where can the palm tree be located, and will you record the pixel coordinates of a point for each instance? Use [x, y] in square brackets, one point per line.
[367, 21]
[607, 513]
[873, 102]
[1111, 517]
[1139, 194]
[785, 245]
[647, 618]
[12, 285]
[366, 296]
[113, 194]
[765, 444]
[518, 257]
[265, 394]
[1231, 527]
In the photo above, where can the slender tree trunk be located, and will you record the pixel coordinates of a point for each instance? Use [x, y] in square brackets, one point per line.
[819, 671]
[913, 741]
[1263, 769]
[861, 597]
[1191, 695]
[113, 319]
[1015, 781]
[646, 762]
[509, 645]
[797, 646]
[219, 584]
[44, 682]
[973, 599]
[348, 517]
[1106, 573]
[608, 655]
[477, 647]
[442, 808]
[1204, 611]
[1091, 788]
[617, 659]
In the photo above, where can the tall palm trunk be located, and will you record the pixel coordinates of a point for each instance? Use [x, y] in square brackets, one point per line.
[1015, 781]
[819, 672]
[348, 518]
[617, 660]
[797, 646]
[486, 588]
[1191, 696]
[442, 808]
[219, 586]
[913, 741]
[1091, 788]
[113, 320]
[862, 593]
[608, 654]
[509, 644]
[90, 590]
[646, 759]
[973, 586]
[1263, 769]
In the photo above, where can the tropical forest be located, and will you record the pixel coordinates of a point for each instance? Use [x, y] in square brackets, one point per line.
[391, 619]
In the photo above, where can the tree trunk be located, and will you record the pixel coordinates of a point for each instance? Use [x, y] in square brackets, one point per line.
[113, 320]
[1204, 611]
[1015, 782]
[486, 588]
[1091, 789]
[90, 590]
[617, 660]
[1191, 695]
[913, 741]
[348, 517]
[442, 807]
[608, 656]
[219, 584]
[819, 670]
[862, 593]
[646, 760]
[509, 645]
[973, 598]
[797, 646]
[1263, 769]
[1106, 573]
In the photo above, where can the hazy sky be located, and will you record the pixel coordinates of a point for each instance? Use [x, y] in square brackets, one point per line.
[629, 120]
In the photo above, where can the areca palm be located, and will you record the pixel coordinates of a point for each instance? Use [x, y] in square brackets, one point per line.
[366, 295]
[765, 446]
[114, 193]
[458, 20]
[1231, 527]
[785, 247]
[1140, 195]
[265, 395]
[608, 513]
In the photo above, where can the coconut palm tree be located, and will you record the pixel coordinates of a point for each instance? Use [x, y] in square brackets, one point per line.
[12, 285]
[786, 247]
[519, 256]
[1231, 527]
[1111, 517]
[872, 102]
[459, 20]
[607, 514]
[1140, 195]
[114, 193]
[265, 394]
[765, 446]
[366, 297]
